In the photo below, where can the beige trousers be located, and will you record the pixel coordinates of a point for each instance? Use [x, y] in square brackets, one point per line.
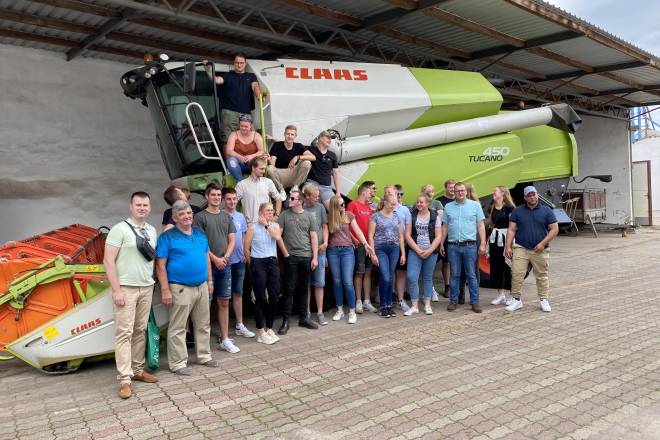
[540, 265]
[130, 327]
[194, 302]
[288, 177]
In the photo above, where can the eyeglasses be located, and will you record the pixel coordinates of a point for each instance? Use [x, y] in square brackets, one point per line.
[341, 205]
[400, 194]
[460, 190]
[293, 199]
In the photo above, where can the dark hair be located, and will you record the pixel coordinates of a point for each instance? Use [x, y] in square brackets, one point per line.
[228, 190]
[211, 187]
[365, 186]
[257, 160]
[398, 187]
[170, 195]
[141, 194]
[240, 55]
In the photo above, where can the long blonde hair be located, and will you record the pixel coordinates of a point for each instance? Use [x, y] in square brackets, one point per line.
[336, 217]
[471, 192]
[387, 198]
[507, 200]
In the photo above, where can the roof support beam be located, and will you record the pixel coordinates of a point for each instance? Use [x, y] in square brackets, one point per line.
[628, 90]
[76, 5]
[399, 13]
[473, 26]
[560, 58]
[532, 42]
[596, 69]
[109, 26]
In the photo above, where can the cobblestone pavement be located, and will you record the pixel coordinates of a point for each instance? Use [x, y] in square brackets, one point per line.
[589, 369]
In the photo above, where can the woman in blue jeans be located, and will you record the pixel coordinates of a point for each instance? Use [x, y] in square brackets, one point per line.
[386, 238]
[341, 257]
[423, 236]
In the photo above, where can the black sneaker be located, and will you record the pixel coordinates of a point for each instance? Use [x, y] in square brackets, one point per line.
[391, 312]
[384, 312]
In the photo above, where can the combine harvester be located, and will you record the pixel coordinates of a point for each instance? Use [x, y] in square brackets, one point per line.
[391, 124]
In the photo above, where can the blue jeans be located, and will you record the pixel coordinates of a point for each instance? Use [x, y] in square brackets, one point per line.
[237, 278]
[237, 168]
[426, 267]
[342, 263]
[464, 257]
[221, 282]
[317, 276]
[388, 258]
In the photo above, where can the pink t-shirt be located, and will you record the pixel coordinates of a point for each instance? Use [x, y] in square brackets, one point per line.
[342, 237]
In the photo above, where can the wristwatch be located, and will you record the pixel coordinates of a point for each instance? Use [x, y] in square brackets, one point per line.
[266, 226]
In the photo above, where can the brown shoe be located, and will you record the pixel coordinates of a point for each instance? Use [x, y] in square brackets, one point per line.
[125, 390]
[143, 376]
[451, 306]
[476, 308]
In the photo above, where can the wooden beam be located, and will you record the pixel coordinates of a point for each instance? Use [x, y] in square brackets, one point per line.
[321, 11]
[494, 62]
[48, 23]
[574, 86]
[408, 5]
[553, 15]
[628, 82]
[75, 5]
[116, 51]
[560, 58]
[420, 41]
[473, 26]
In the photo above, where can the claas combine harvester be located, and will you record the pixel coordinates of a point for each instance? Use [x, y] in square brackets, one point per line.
[391, 124]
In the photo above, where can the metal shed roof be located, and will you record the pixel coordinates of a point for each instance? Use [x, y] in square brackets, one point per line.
[535, 51]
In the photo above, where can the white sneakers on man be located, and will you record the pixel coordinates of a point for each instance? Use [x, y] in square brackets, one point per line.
[411, 311]
[242, 330]
[404, 306]
[228, 345]
[499, 299]
[434, 296]
[369, 307]
[545, 305]
[515, 305]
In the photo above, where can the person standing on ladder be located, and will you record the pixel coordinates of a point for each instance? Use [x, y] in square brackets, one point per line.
[235, 90]
[132, 282]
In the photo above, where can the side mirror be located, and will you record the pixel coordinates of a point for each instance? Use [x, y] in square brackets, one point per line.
[189, 76]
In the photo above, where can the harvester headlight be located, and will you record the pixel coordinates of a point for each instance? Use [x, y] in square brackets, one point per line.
[147, 75]
[153, 71]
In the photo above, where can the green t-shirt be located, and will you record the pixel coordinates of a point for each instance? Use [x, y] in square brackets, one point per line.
[132, 268]
[295, 232]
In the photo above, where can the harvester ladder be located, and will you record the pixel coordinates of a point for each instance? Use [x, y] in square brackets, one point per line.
[189, 110]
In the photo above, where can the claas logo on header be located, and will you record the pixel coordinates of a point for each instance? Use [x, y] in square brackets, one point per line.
[332, 74]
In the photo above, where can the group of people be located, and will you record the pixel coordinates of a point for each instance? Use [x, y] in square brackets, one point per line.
[202, 255]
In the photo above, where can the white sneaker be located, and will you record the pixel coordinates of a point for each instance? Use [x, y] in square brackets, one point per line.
[428, 310]
[515, 305]
[404, 306]
[358, 308]
[434, 296]
[265, 338]
[370, 308]
[339, 314]
[228, 345]
[352, 317]
[283, 194]
[545, 305]
[272, 334]
[242, 330]
[499, 299]
[509, 299]
[411, 311]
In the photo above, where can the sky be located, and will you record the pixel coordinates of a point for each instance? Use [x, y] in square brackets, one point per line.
[632, 21]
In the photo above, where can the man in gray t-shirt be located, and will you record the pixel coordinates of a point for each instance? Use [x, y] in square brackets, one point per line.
[311, 195]
[221, 232]
[299, 246]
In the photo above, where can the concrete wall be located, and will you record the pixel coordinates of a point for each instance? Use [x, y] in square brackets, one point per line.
[604, 148]
[72, 146]
[649, 149]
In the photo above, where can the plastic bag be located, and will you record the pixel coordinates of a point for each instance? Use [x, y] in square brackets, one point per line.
[152, 351]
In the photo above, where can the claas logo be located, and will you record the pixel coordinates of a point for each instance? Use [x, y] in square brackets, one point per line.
[86, 326]
[331, 74]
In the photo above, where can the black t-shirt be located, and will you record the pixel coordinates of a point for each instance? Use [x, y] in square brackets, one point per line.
[321, 171]
[167, 215]
[236, 92]
[500, 217]
[444, 200]
[283, 155]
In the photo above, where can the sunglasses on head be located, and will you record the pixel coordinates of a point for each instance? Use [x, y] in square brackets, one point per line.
[400, 194]
[247, 118]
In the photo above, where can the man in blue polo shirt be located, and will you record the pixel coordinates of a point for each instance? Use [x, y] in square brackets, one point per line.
[184, 273]
[461, 220]
[534, 226]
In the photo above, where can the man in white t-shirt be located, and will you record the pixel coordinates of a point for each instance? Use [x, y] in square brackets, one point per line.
[131, 278]
[257, 189]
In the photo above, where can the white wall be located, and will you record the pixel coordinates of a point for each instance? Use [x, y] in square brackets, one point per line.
[72, 146]
[649, 149]
[604, 148]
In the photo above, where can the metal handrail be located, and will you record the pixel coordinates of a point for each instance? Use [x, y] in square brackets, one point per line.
[198, 142]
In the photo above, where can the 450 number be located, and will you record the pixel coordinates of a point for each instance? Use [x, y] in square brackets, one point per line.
[496, 151]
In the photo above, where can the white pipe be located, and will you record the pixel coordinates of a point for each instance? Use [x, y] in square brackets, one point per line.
[369, 146]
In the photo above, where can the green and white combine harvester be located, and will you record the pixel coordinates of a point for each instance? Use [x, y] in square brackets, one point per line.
[391, 124]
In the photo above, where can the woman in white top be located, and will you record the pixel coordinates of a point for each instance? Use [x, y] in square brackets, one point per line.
[260, 247]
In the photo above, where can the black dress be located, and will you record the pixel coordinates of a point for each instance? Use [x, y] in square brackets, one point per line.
[500, 272]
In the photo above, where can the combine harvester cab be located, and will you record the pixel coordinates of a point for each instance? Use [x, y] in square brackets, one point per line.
[55, 300]
[391, 123]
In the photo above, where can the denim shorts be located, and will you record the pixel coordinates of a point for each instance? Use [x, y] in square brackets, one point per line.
[237, 277]
[362, 260]
[221, 282]
[317, 278]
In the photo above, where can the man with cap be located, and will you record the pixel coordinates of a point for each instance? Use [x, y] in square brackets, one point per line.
[533, 226]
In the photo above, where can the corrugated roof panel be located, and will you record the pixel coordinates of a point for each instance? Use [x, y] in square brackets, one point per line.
[600, 82]
[643, 97]
[290, 13]
[643, 75]
[536, 63]
[588, 51]
[358, 9]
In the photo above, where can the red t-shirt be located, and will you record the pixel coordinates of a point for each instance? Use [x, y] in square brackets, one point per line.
[362, 213]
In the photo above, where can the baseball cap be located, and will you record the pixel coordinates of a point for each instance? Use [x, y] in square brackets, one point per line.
[529, 189]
